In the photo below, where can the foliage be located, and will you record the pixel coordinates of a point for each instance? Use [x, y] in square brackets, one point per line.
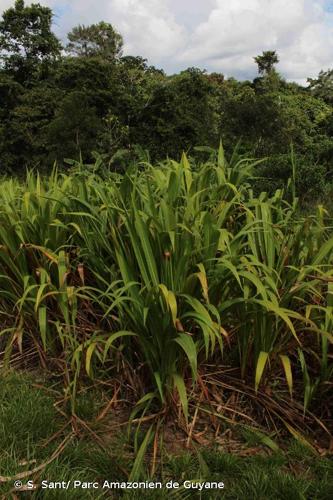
[157, 266]
[27, 43]
[123, 262]
[89, 99]
[323, 85]
[100, 40]
[168, 121]
[266, 62]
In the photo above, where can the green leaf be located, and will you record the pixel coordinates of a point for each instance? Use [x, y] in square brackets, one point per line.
[171, 302]
[157, 377]
[181, 388]
[261, 363]
[139, 459]
[113, 337]
[42, 320]
[89, 353]
[188, 345]
[287, 370]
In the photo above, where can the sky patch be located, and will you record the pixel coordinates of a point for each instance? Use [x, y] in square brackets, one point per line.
[216, 35]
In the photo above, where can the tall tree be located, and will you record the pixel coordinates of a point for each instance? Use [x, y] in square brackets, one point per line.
[323, 86]
[95, 40]
[168, 123]
[266, 62]
[26, 39]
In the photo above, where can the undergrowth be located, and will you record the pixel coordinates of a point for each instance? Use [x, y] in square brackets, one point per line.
[177, 286]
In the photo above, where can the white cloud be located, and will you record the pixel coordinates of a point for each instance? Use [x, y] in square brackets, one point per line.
[149, 27]
[220, 35]
[237, 30]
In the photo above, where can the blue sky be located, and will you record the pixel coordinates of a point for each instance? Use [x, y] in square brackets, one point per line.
[217, 35]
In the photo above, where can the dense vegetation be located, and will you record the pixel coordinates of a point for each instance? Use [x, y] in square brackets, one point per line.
[86, 98]
[198, 288]
[148, 275]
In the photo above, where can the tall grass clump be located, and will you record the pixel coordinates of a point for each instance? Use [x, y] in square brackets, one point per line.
[149, 274]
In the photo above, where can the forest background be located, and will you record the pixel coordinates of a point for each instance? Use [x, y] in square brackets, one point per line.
[84, 98]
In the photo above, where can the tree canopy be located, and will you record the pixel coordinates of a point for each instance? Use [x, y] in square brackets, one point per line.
[266, 62]
[95, 40]
[91, 99]
[322, 86]
[26, 39]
